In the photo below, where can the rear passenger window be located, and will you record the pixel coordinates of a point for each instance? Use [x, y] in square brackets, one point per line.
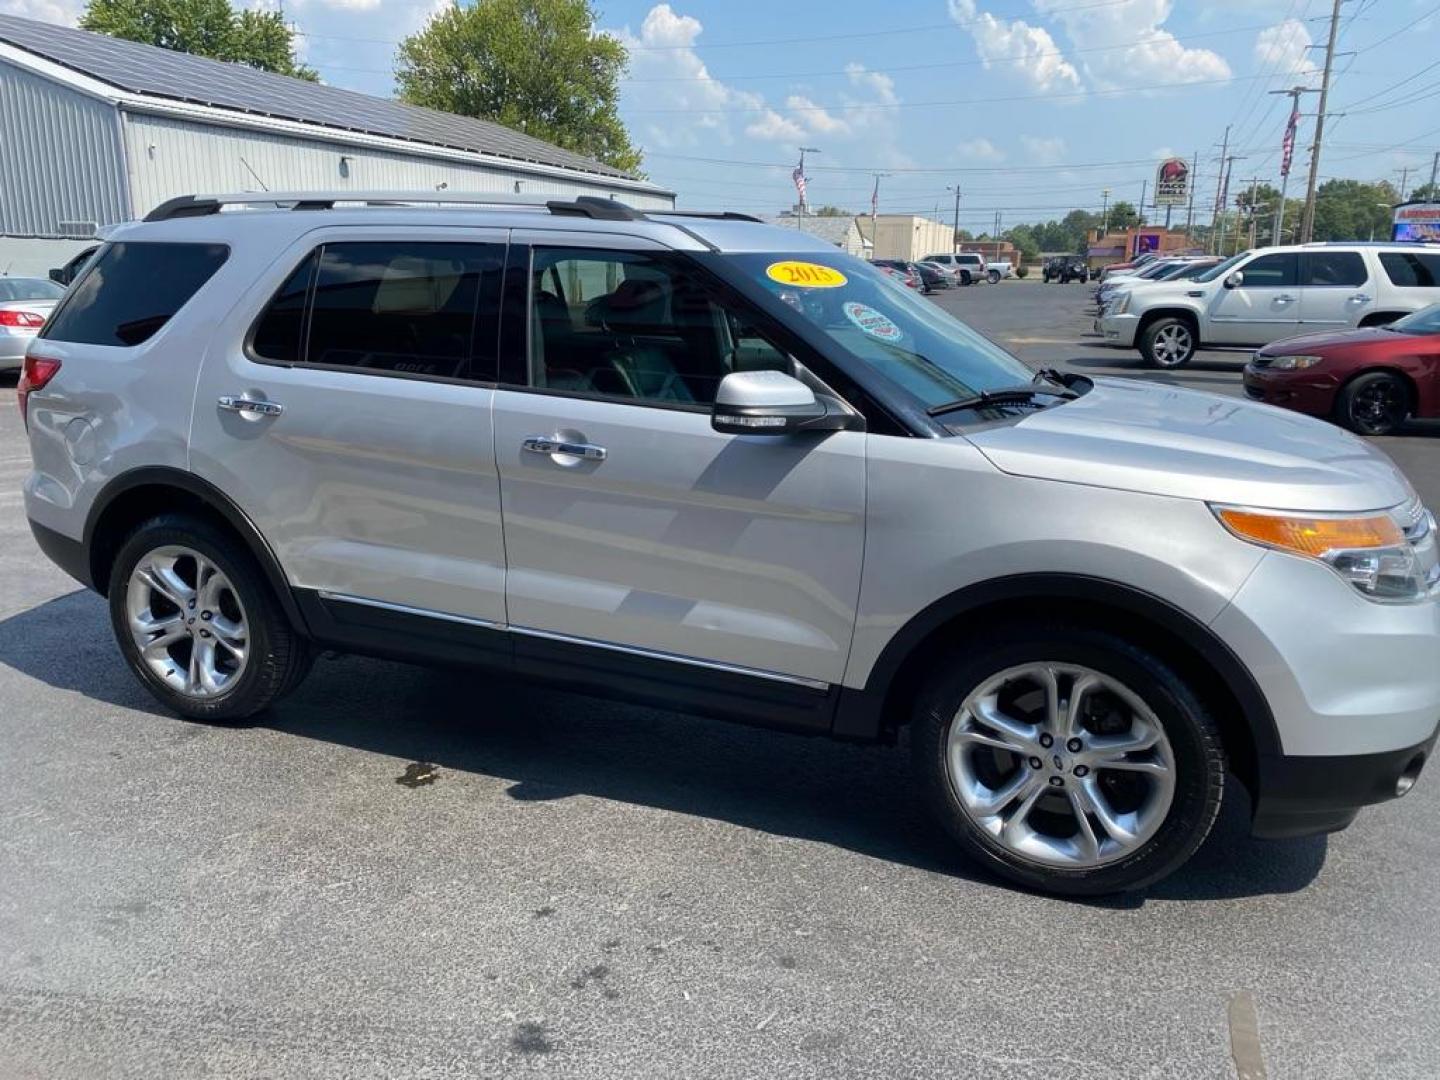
[1412, 269]
[394, 307]
[1344, 268]
[131, 290]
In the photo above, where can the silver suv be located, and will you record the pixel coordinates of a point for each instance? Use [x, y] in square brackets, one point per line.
[1261, 296]
[704, 462]
[970, 266]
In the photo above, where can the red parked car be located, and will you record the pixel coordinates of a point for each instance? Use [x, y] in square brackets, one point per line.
[1367, 380]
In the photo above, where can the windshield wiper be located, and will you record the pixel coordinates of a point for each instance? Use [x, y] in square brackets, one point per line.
[1005, 395]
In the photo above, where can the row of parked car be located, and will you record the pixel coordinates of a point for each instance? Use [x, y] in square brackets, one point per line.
[1346, 331]
[946, 271]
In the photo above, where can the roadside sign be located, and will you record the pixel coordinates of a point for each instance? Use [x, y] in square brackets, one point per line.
[1172, 182]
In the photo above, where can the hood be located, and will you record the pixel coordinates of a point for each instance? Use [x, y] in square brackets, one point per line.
[1162, 440]
[1325, 338]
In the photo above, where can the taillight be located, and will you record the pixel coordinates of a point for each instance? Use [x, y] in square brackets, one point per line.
[38, 371]
[27, 319]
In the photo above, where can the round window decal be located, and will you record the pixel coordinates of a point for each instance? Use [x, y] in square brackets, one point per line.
[806, 275]
[872, 322]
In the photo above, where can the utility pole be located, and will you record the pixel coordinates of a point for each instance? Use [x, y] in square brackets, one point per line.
[1190, 211]
[800, 186]
[1307, 228]
[1404, 181]
[1219, 193]
[1434, 168]
[955, 229]
[874, 213]
[1105, 212]
[1225, 166]
[1144, 187]
[1253, 182]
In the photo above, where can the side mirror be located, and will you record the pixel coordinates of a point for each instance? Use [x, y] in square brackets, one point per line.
[1235, 280]
[57, 275]
[773, 403]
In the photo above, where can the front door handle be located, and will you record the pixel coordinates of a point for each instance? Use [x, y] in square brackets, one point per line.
[551, 445]
[250, 408]
[1361, 298]
[1285, 298]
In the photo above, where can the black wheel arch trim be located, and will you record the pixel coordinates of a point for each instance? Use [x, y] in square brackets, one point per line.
[861, 713]
[213, 498]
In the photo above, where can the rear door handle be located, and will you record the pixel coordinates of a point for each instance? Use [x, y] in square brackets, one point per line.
[243, 405]
[550, 445]
[1285, 298]
[1361, 298]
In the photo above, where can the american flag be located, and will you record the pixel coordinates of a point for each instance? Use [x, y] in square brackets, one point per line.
[799, 177]
[1287, 145]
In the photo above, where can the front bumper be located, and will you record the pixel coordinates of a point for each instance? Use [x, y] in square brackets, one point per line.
[1302, 796]
[1119, 330]
[1309, 391]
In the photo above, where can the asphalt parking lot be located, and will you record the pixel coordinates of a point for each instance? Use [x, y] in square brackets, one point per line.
[563, 885]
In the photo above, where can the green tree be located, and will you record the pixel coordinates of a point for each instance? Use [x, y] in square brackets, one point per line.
[1023, 237]
[1123, 215]
[1353, 210]
[534, 65]
[212, 28]
[1424, 193]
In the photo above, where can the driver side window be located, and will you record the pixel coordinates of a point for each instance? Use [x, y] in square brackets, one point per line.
[636, 326]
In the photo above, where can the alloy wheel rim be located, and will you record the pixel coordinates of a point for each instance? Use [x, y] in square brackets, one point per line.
[1172, 345]
[1378, 405]
[1062, 765]
[187, 621]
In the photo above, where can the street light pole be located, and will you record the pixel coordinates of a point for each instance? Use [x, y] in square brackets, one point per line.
[955, 229]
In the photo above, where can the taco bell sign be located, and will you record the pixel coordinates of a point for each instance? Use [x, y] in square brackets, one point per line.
[1172, 182]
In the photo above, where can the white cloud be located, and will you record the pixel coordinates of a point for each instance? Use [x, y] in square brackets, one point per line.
[1136, 50]
[64, 12]
[1283, 48]
[980, 149]
[1017, 46]
[815, 118]
[880, 85]
[1046, 150]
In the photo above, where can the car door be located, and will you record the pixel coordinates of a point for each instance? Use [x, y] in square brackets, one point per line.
[630, 524]
[345, 408]
[1335, 290]
[1264, 308]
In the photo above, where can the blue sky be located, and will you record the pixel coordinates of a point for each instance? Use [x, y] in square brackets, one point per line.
[1031, 107]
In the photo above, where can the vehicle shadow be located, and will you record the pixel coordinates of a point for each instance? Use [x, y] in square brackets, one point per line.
[548, 744]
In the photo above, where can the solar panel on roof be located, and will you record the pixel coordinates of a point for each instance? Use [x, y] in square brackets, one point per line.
[145, 69]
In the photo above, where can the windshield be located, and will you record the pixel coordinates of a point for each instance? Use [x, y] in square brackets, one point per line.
[879, 322]
[29, 289]
[1221, 269]
[1424, 321]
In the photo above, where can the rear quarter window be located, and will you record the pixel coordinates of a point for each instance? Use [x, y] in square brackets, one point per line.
[131, 290]
[1412, 269]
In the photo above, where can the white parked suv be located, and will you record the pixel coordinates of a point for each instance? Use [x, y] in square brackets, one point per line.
[1261, 296]
[704, 462]
[970, 266]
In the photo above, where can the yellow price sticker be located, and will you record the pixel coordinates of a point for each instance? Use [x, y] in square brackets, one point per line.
[805, 274]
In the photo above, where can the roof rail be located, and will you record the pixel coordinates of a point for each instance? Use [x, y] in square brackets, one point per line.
[591, 206]
[711, 215]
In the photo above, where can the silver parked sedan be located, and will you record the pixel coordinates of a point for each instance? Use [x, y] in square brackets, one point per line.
[25, 304]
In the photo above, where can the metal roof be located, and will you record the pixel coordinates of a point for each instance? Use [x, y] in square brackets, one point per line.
[164, 74]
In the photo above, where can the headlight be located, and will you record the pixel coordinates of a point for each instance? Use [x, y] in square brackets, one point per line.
[1120, 304]
[1388, 557]
[1293, 363]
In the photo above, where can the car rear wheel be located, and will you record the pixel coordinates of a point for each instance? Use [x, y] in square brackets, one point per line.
[198, 624]
[993, 277]
[1168, 343]
[965, 278]
[1067, 759]
[1375, 403]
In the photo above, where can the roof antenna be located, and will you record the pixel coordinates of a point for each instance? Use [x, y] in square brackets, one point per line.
[253, 173]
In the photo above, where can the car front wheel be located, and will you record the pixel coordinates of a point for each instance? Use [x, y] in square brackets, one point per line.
[1376, 403]
[1168, 343]
[1068, 760]
[198, 624]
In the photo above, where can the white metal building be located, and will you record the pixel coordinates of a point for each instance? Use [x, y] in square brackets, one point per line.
[95, 130]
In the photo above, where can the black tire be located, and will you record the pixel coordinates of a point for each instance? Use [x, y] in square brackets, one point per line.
[1155, 342]
[1193, 736]
[965, 278]
[277, 657]
[1376, 403]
